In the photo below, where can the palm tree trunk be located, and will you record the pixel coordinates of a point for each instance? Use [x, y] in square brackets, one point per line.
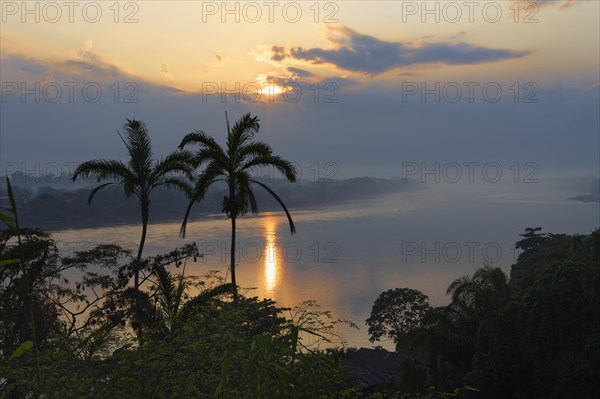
[233, 211]
[138, 263]
[145, 216]
[138, 259]
[235, 293]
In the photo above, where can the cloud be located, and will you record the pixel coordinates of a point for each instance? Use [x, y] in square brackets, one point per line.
[88, 44]
[300, 73]
[166, 72]
[99, 70]
[567, 4]
[85, 52]
[299, 79]
[278, 53]
[24, 65]
[562, 4]
[363, 53]
[84, 68]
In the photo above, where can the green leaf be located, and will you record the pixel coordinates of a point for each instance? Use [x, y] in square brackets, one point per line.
[21, 350]
[294, 339]
[8, 262]
[6, 218]
[10, 194]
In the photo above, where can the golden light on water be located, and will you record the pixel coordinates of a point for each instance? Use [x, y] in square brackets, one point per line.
[272, 263]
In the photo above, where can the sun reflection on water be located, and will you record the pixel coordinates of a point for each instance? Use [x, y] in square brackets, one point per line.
[272, 263]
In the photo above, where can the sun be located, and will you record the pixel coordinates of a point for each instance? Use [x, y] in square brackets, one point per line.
[268, 86]
[272, 89]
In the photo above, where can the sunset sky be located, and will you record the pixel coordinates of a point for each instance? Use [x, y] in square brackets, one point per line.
[330, 81]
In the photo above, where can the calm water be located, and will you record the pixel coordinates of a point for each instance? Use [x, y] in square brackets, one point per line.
[344, 256]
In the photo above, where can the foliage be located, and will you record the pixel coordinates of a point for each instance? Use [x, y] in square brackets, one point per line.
[534, 336]
[196, 341]
[396, 313]
[29, 336]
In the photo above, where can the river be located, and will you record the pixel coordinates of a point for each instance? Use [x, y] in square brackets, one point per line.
[343, 256]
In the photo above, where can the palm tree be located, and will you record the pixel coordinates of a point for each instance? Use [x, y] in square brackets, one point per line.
[454, 334]
[233, 165]
[140, 175]
[169, 294]
[481, 295]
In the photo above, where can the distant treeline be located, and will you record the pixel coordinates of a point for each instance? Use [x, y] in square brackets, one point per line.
[55, 207]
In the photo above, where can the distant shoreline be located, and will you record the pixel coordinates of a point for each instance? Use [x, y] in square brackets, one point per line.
[53, 209]
[587, 198]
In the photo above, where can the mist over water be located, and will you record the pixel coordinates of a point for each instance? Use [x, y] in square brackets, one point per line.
[345, 256]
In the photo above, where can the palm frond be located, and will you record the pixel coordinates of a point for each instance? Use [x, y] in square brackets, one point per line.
[242, 131]
[182, 229]
[197, 194]
[227, 122]
[210, 175]
[459, 285]
[244, 193]
[252, 200]
[103, 169]
[177, 183]
[182, 286]
[131, 187]
[95, 190]
[284, 167]
[290, 221]
[165, 289]
[175, 162]
[209, 150]
[198, 137]
[204, 298]
[254, 150]
[207, 155]
[139, 146]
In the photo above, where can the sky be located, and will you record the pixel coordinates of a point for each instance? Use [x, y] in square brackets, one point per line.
[372, 88]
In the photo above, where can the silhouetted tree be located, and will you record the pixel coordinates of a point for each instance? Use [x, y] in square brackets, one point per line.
[396, 313]
[233, 165]
[140, 175]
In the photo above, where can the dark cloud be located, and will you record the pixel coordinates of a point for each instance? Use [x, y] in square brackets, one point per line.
[301, 73]
[99, 70]
[460, 53]
[88, 67]
[367, 54]
[278, 53]
[24, 64]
